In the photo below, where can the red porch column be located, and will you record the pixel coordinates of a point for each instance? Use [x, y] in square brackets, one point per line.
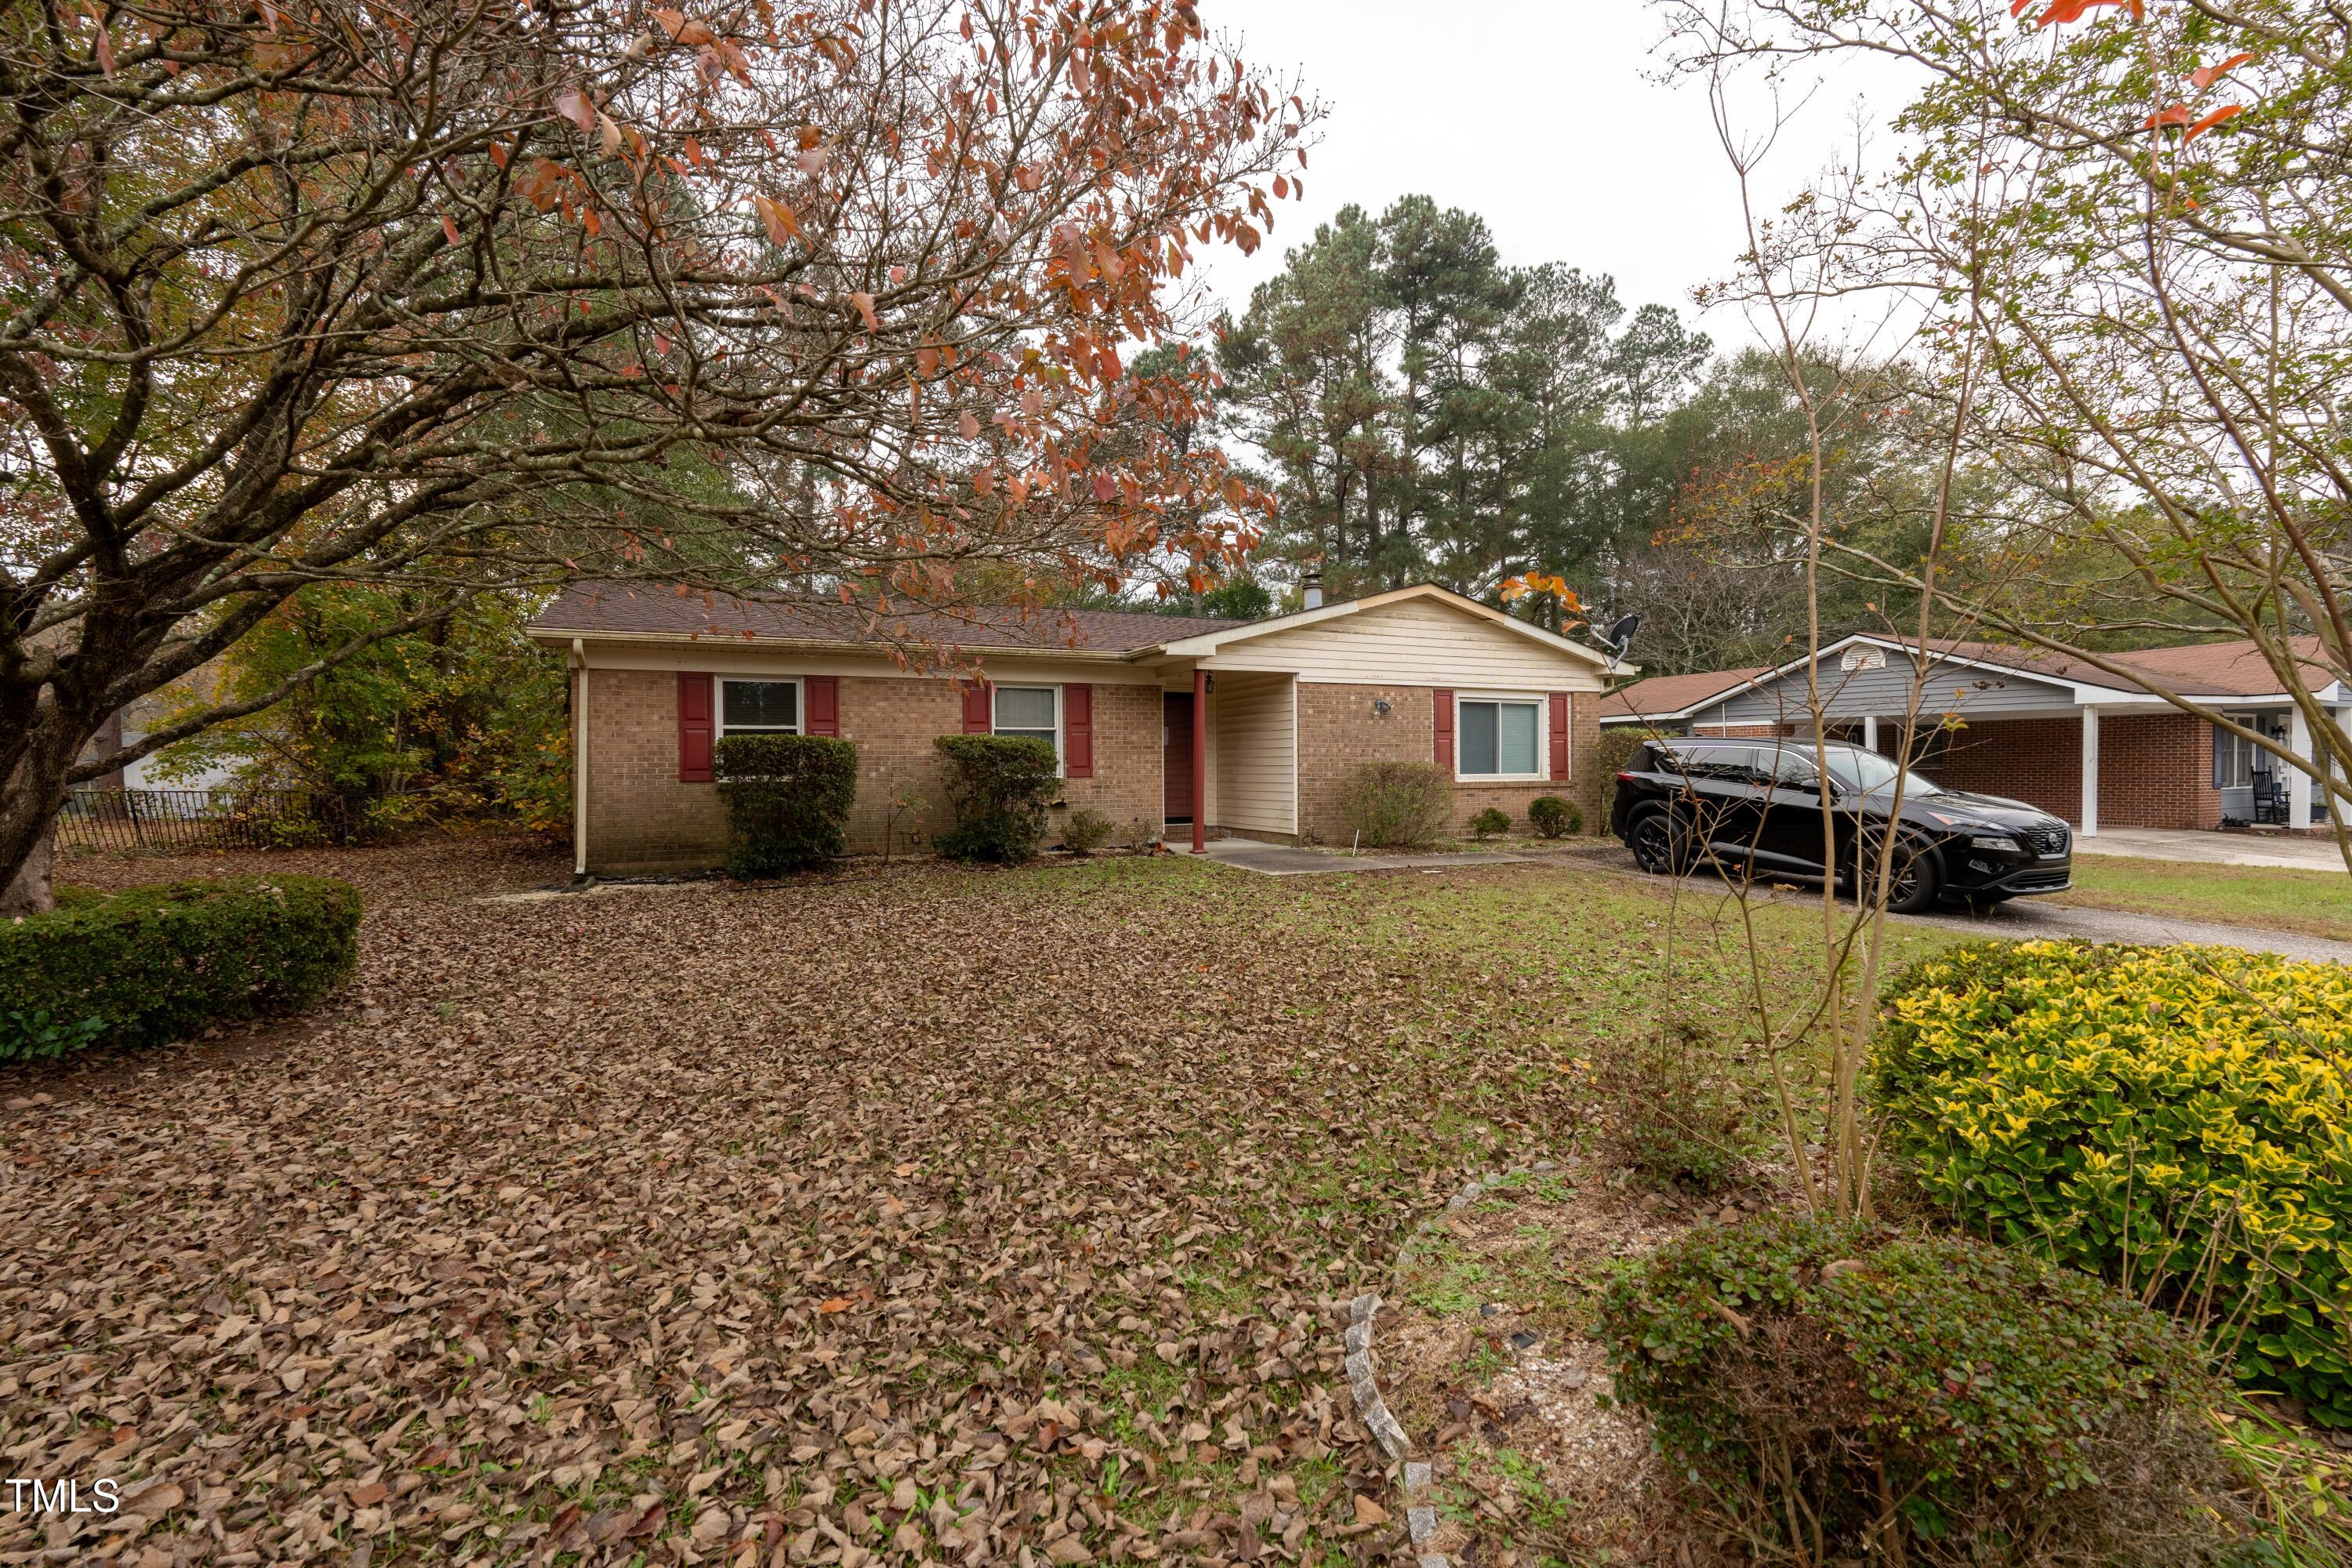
[1200, 760]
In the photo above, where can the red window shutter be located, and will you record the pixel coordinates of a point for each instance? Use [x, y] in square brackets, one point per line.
[978, 719]
[1559, 737]
[824, 705]
[696, 728]
[1078, 731]
[1443, 701]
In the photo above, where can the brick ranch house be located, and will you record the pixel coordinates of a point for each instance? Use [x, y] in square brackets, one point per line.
[1244, 728]
[2037, 727]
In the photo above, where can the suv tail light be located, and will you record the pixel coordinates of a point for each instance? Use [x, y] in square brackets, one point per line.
[1629, 778]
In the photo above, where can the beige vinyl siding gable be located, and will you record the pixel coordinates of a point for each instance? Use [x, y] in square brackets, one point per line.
[1417, 642]
[1254, 753]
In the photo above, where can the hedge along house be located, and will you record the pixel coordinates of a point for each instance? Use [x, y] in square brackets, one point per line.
[2043, 727]
[1164, 724]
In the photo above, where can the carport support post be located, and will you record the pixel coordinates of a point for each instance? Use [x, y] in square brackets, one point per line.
[1200, 760]
[2090, 828]
[2298, 783]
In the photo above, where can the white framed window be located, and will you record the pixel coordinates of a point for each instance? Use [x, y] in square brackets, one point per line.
[761, 707]
[1031, 711]
[1500, 737]
[2236, 759]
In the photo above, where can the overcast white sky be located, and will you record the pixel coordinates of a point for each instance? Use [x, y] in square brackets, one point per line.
[1542, 116]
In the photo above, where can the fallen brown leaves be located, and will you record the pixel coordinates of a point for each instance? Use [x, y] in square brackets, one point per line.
[919, 1216]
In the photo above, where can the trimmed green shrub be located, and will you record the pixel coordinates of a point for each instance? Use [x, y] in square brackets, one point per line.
[1490, 822]
[1847, 1392]
[1554, 817]
[1087, 831]
[2177, 1120]
[1387, 804]
[1000, 786]
[155, 963]
[787, 798]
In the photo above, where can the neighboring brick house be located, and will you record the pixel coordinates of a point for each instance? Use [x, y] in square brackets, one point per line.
[2019, 722]
[1232, 726]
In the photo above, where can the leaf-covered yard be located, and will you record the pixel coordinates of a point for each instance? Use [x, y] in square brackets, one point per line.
[915, 1213]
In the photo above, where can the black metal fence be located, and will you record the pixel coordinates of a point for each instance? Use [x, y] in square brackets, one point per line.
[201, 819]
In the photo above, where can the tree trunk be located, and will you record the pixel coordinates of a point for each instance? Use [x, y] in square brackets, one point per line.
[29, 892]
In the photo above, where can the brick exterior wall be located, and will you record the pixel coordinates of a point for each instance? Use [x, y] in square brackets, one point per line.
[2037, 761]
[641, 818]
[2155, 770]
[1338, 729]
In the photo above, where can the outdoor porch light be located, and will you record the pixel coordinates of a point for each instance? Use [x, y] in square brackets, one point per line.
[1379, 707]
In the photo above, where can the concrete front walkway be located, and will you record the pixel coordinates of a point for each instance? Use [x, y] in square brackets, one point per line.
[1287, 861]
[2214, 848]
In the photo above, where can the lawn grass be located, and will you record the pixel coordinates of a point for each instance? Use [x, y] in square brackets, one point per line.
[717, 1212]
[2268, 898]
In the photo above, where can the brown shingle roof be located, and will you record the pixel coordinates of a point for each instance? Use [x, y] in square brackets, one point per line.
[1662, 694]
[590, 609]
[2226, 668]
[2194, 669]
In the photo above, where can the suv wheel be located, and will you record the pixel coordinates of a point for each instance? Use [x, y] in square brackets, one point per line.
[1658, 845]
[1915, 883]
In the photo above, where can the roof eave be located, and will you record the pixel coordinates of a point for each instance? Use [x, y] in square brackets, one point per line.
[561, 635]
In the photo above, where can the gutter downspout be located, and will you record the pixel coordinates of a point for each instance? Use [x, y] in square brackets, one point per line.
[579, 662]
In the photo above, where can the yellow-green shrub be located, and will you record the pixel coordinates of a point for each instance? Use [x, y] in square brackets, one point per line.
[2175, 1118]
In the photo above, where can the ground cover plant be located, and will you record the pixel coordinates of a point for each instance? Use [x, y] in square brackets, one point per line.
[2173, 1119]
[943, 1213]
[1836, 1388]
[2269, 898]
[146, 964]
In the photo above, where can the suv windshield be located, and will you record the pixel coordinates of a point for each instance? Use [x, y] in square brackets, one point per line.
[1867, 772]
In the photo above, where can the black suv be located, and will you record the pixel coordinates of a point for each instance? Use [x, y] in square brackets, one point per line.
[1755, 806]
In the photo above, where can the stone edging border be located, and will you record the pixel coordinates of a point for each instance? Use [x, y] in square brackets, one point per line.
[1421, 1512]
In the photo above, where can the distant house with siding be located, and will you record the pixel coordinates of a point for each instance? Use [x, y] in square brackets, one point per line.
[2043, 727]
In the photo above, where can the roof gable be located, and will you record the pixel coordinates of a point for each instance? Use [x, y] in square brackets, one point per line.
[1429, 593]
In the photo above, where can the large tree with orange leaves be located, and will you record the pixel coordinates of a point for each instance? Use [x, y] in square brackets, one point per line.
[832, 297]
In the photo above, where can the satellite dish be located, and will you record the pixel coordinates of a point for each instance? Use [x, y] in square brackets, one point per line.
[1622, 632]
